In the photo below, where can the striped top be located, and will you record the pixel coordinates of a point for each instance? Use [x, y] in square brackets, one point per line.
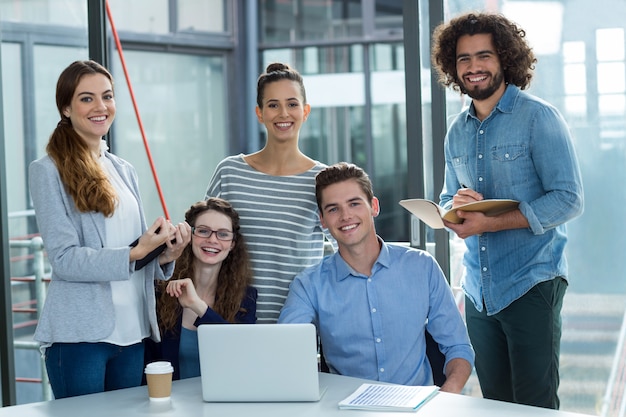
[280, 222]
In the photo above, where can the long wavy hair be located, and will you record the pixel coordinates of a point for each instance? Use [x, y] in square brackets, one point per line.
[517, 59]
[85, 181]
[234, 277]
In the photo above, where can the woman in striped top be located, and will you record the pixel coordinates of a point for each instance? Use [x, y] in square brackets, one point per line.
[273, 190]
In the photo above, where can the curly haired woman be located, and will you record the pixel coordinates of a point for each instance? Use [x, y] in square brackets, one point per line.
[211, 284]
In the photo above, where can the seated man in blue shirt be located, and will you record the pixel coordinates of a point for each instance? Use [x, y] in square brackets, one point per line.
[372, 301]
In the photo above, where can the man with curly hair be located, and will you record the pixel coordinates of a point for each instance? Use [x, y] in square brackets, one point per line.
[508, 144]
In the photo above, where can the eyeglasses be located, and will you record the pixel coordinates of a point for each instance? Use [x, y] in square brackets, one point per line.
[205, 233]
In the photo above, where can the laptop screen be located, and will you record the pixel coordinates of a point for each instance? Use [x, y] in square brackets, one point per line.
[258, 362]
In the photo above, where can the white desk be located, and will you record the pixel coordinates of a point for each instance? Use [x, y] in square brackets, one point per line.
[187, 401]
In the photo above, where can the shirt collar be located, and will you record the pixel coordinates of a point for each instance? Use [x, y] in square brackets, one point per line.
[344, 270]
[103, 149]
[505, 105]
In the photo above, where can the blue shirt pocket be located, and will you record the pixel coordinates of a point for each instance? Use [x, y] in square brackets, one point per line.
[512, 168]
[462, 171]
[506, 153]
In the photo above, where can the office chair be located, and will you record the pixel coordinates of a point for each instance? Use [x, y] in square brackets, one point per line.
[436, 358]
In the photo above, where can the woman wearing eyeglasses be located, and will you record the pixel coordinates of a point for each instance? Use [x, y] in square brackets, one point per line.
[211, 284]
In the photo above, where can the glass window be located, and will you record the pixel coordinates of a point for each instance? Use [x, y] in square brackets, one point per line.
[610, 44]
[581, 70]
[145, 16]
[181, 98]
[56, 12]
[383, 57]
[575, 78]
[17, 198]
[388, 131]
[573, 52]
[542, 21]
[13, 115]
[388, 15]
[612, 105]
[49, 62]
[28, 122]
[182, 105]
[301, 20]
[390, 166]
[201, 16]
[611, 77]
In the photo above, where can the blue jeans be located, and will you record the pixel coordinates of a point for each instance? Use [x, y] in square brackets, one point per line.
[87, 368]
[517, 349]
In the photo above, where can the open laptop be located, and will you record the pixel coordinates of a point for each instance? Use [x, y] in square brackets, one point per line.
[258, 362]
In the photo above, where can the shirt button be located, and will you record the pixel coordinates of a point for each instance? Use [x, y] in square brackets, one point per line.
[483, 248]
[507, 156]
[480, 156]
[480, 179]
[481, 131]
[378, 340]
[373, 310]
[382, 369]
[484, 269]
[369, 280]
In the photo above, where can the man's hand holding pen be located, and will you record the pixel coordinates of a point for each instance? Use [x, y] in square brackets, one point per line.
[464, 196]
[474, 223]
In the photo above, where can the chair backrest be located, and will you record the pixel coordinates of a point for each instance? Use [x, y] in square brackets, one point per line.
[436, 358]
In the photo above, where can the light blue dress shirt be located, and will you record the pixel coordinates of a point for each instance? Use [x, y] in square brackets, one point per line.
[373, 327]
[522, 151]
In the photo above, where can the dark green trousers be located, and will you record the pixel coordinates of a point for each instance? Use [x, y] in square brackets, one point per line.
[517, 349]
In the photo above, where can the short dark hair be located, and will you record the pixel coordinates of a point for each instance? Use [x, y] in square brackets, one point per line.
[277, 72]
[339, 172]
[516, 56]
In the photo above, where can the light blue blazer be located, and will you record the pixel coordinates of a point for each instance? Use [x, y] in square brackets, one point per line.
[79, 303]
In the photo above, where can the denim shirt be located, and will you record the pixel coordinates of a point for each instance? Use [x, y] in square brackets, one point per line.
[522, 151]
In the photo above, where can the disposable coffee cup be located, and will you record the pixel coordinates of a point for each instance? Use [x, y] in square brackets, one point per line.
[159, 378]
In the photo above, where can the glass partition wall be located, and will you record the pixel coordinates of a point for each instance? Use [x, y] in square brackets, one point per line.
[177, 60]
[581, 70]
[355, 86]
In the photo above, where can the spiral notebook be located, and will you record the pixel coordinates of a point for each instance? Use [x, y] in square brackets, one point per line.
[383, 397]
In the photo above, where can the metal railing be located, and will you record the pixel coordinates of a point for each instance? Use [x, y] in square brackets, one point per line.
[36, 246]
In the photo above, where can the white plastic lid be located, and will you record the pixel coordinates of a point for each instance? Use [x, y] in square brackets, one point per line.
[159, 367]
